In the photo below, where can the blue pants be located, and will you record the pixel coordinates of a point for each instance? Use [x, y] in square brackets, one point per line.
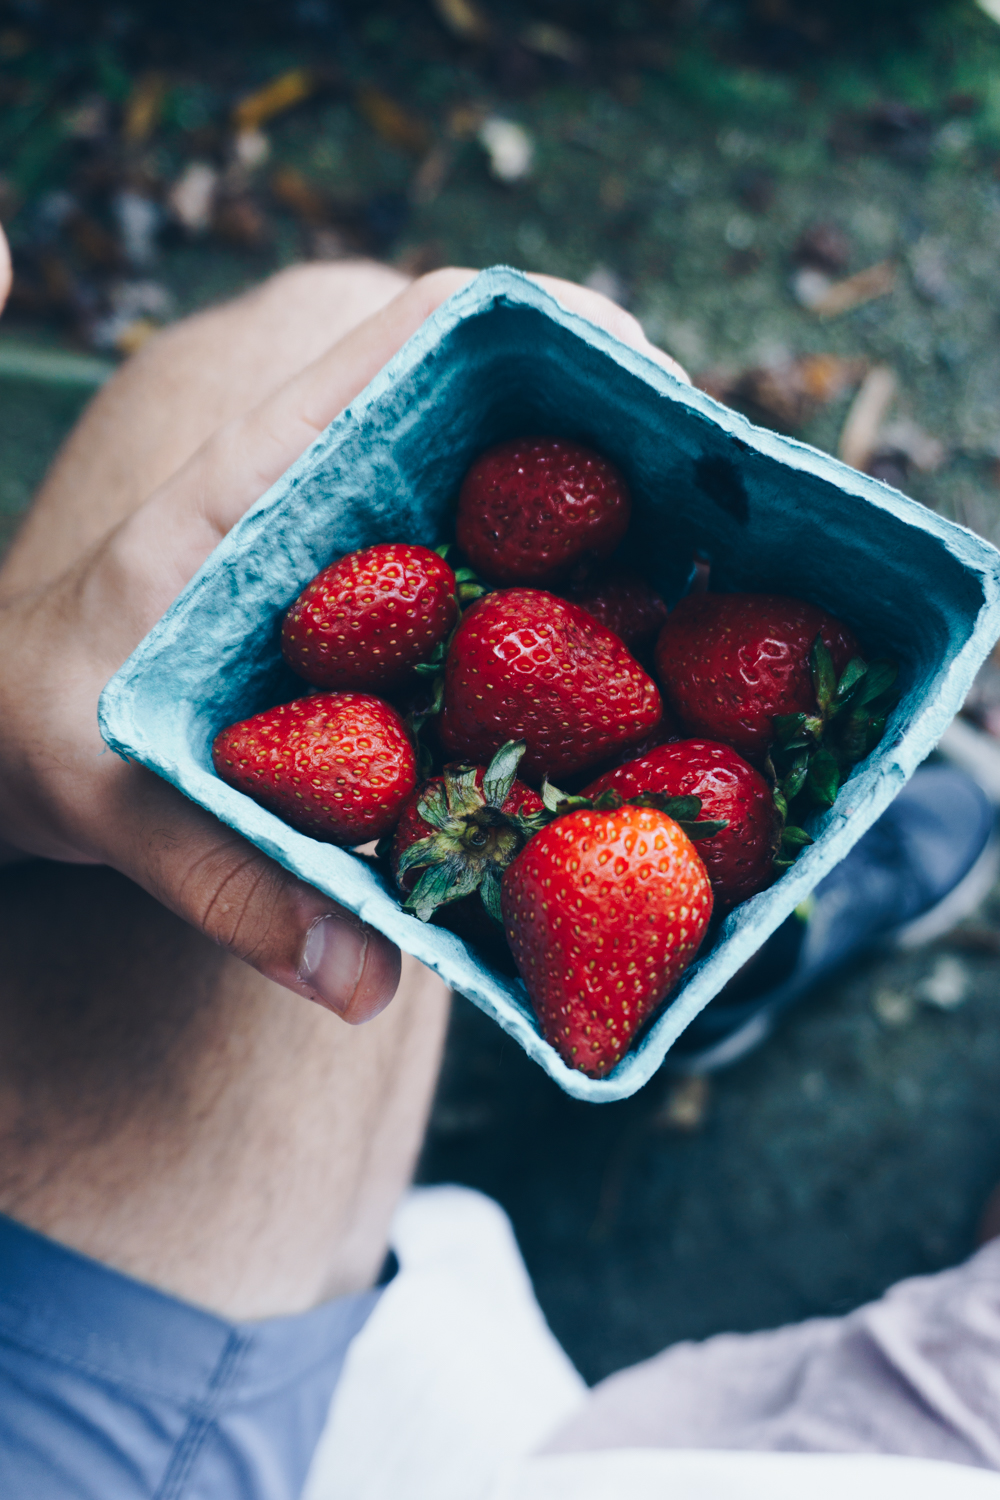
[111, 1390]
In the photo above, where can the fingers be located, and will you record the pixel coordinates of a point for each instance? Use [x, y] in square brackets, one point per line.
[150, 558]
[210, 876]
[601, 310]
[246, 457]
[5, 270]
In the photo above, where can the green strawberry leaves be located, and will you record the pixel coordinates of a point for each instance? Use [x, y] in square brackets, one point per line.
[684, 810]
[469, 586]
[500, 773]
[470, 839]
[813, 753]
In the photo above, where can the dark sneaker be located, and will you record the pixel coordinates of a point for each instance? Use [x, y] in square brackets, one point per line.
[928, 861]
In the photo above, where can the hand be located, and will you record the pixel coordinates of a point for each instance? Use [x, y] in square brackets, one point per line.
[62, 798]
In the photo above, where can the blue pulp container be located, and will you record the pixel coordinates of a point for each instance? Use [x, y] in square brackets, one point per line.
[501, 358]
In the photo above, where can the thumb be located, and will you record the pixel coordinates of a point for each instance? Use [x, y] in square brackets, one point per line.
[216, 880]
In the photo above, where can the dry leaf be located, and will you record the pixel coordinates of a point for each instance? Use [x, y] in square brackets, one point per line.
[294, 191]
[143, 108]
[464, 19]
[281, 94]
[464, 121]
[869, 409]
[241, 221]
[432, 174]
[786, 392]
[88, 120]
[391, 121]
[877, 281]
[547, 40]
[132, 337]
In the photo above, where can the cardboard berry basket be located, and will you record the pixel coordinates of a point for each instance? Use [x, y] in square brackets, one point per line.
[503, 358]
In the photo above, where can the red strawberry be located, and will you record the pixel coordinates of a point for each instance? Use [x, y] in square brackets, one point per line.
[739, 858]
[625, 603]
[730, 664]
[603, 913]
[367, 620]
[530, 508]
[525, 665]
[459, 832]
[338, 766]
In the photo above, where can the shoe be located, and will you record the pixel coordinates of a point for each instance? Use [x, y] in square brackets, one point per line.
[929, 860]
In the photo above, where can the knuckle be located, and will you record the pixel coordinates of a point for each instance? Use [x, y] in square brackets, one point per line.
[237, 902]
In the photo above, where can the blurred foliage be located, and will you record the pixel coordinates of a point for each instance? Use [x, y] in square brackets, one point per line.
[674, 153]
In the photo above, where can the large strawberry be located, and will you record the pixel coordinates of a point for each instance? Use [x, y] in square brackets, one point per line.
[338, 766]
[531, 508]
[603, 912]
[740, 857]
[624, 602]
[730, 664]
[775, 676]
[366, 621]
[459, 832]
[525, 665]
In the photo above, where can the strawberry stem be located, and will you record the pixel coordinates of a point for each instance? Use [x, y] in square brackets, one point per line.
[813, 753]
[470, 839]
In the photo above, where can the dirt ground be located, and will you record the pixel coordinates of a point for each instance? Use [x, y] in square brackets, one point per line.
[785, 209]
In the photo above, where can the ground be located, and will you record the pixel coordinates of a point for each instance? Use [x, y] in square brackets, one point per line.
[678, 168]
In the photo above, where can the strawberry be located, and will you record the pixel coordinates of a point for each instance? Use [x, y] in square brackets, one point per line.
[781, 681]
[459, 832]
[603, 912]
[739, 858]
[624, 602]
[531, 508]
[730, 664]
[366, 621]
[338, 766]
[525, 665]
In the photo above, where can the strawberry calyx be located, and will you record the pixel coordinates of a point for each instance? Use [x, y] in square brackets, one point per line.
[685, 811]
[813, 753]
[472, 839]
